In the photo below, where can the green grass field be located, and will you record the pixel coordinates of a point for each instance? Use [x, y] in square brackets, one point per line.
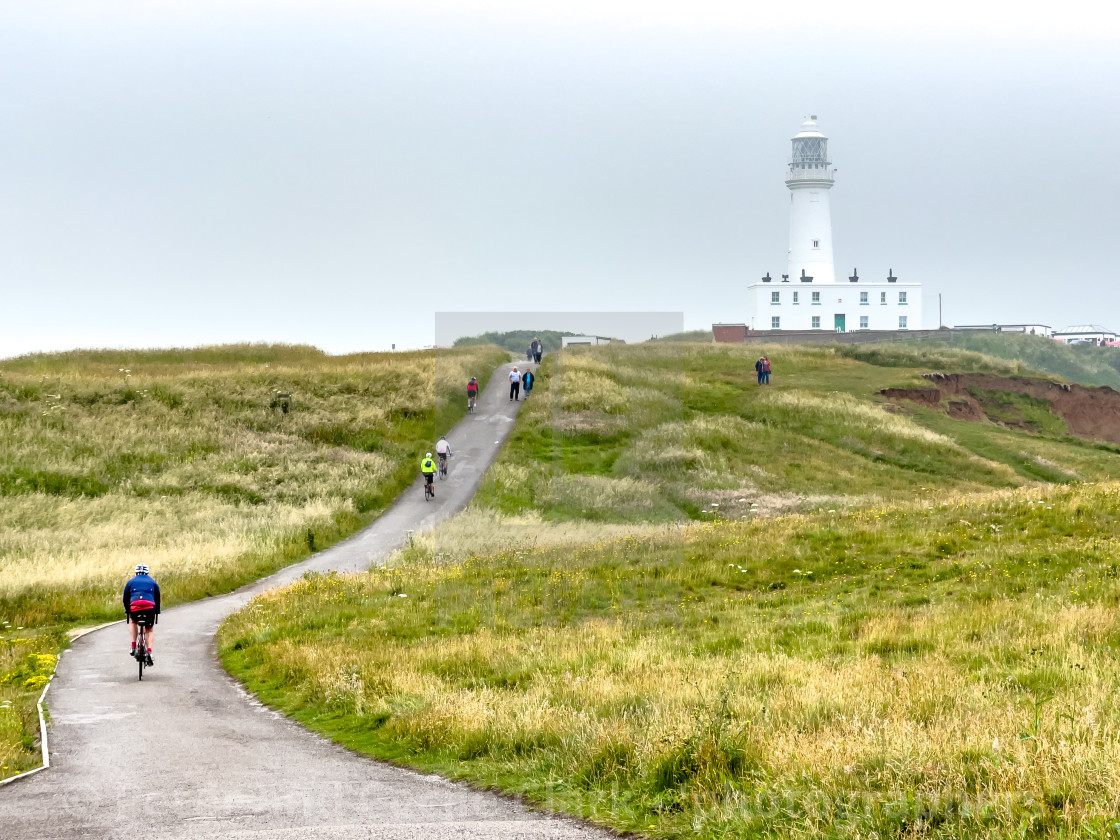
[184, 460]
[1085, 364]
[686, 606]
[946, 668]
[658, 433]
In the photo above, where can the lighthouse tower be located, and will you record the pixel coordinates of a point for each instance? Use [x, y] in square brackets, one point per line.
[807, 297]
[810, 220]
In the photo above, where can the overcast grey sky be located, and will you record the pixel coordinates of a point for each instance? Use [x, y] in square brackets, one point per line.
[179, 173]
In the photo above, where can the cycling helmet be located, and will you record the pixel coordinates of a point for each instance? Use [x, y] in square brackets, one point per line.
[429, 455]
[141, 569]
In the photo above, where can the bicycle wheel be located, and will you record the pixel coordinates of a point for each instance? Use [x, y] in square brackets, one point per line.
[141, 653]
[427, 491]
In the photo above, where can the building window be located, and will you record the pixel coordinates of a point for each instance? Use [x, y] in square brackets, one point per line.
[775, 323]
[817, 298]
[863, 298]
[816, 322]
[902, 322]
[902, 297]
[882, 297]
[863, 322]
[816, 243]
[795, 298]
[775, 297]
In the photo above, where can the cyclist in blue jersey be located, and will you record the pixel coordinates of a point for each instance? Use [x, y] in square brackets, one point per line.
[141, 606]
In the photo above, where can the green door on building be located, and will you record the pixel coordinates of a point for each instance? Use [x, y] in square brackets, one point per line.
[838, 320]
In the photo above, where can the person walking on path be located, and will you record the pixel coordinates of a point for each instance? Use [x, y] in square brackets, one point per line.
[765, 371]
[758, 370]
[527, 380]
[538, 350]
[514, 384]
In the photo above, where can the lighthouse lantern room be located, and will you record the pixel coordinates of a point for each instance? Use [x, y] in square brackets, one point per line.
[809, 179]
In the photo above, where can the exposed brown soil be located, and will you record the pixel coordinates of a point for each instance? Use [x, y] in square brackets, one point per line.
[1089, 412]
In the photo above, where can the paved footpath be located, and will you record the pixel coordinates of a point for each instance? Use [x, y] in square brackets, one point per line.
[218, 764]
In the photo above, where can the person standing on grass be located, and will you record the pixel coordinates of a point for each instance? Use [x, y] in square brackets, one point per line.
[758, 370]
[527, 380]
[765, 371]
[141, 606]
[514, 384]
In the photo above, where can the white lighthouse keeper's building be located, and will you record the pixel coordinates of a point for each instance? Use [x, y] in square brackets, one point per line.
[808, 296]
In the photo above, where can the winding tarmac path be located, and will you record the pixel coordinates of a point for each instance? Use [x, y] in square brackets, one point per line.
[218, 764]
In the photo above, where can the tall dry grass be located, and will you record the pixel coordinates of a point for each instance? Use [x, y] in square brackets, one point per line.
[191, 466]
[184, 460]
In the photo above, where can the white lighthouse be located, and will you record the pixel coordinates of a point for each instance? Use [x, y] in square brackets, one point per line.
[808, 297]
[809, 179]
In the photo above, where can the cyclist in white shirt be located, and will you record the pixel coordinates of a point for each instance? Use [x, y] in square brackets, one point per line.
[443, 450]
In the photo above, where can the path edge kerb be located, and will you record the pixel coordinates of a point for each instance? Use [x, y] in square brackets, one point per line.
[42, 716]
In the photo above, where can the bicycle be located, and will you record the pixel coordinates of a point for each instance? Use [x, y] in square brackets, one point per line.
[442, 466]
[428, 491]
[470, 405]
[141, 652]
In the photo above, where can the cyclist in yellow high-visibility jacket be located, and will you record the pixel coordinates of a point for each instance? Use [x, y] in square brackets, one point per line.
[428, 470]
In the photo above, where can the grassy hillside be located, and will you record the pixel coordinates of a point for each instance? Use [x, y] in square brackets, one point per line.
[516, 341]
[1020, 353]
[660, 432]
[185, 460]
[173, 357]
[1084, 364]
[692, 336]
[925, 646]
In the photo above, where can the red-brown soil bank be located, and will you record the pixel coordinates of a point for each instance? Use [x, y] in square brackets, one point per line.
[1088, 412]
